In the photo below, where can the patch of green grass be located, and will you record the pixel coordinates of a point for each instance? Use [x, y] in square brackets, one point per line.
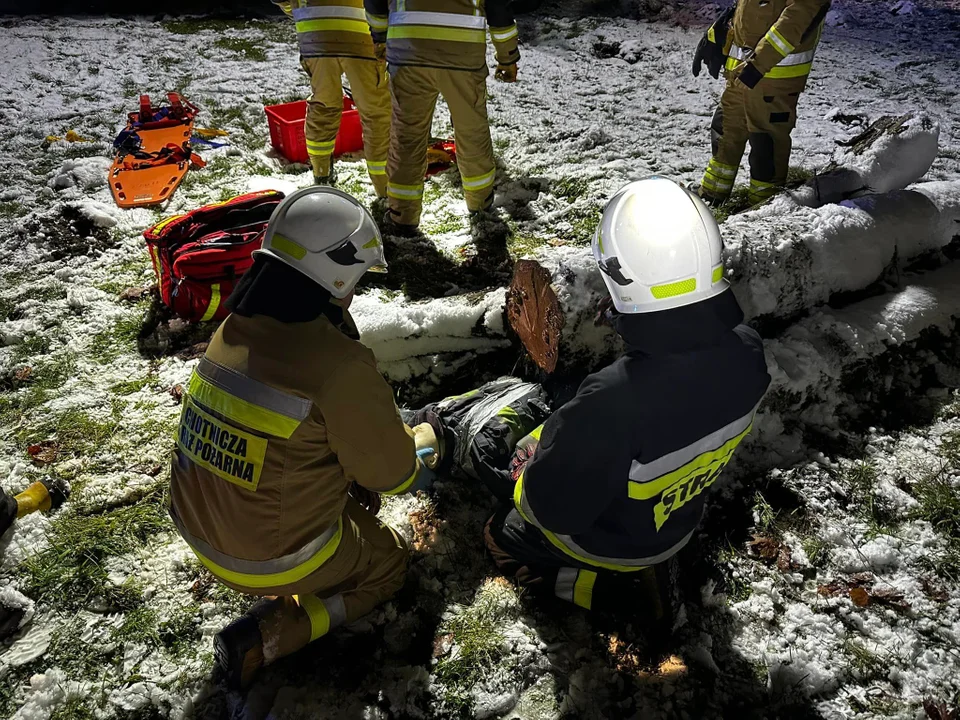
[738, 202]
[476, 632]
[735, 586]
[192, 26]
[797, 175]
[71, 571]
[140, 625]
[31, 346]
[11, 209]
[938, 503]
[815, 549]
[76, 432]
[51, 374]
[129, 387]
[950, 447]
[74, 709]
[878, 513]
[570, 187]
[869, 665]
[181, 631]
[523, 245]
[121, 338]
[248, 49]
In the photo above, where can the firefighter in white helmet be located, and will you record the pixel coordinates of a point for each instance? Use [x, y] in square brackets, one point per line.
[612, 485]
[287, 434]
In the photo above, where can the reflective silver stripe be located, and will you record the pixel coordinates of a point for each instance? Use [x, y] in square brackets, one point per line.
[566, 582]
[601, 560]
[377, 22]
[640, 473]
[739, 53]
[254, 391]
[330, 11]
[441, 19]
[501, 35]
[254, 567]
[336, 610]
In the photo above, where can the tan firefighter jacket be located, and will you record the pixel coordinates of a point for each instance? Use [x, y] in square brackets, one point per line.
[448, 34]
[778, 38]
[278, 420]
[330, 28]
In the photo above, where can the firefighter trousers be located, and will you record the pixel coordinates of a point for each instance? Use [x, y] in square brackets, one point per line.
[764, 117]
[370, 88]
[415, 91]
[369, 566]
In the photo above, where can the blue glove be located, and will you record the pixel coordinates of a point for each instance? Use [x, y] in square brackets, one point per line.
[425, 476]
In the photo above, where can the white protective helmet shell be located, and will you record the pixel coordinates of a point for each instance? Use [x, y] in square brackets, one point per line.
[658, 247]
[327, 235]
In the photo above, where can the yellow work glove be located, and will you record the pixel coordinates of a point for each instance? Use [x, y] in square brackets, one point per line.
[424, 437]
[506, 73]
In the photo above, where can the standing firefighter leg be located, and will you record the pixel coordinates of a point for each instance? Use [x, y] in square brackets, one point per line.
[466, 95]
[371, 92]
[729, 136]
[770, 119]
[324, 109]
[414, 94]
[368, 567]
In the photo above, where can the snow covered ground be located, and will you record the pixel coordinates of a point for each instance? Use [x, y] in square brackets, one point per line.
[829, 576]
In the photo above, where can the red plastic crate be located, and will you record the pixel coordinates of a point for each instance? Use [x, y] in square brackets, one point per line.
[287, 136]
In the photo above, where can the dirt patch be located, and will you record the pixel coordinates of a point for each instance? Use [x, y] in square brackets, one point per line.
[66, 234]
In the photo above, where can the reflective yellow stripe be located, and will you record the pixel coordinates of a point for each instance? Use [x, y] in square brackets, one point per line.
[778, 41]
[287, 247]
[721, 169]
[583, 589]
[377, 22]
[432, 32]
[377, 168]
[789, 71]
[717, 274]
[405, 192]
[269, 580]
[684, 287]
[317, 612]
[405, 485]
[214, 303]
[711, 35]
[555, 541]
[163, 223]
[506, 34]
[649, 490]
[480, 182]
[241, 411]
[333, 25]
[321, 145]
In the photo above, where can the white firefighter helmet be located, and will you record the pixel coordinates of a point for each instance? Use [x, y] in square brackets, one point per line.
[327, 235]
[658, 247]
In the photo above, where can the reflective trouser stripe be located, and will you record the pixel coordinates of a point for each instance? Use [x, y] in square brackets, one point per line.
[214, 303]
[377, 168]
[480, 182]
[504, 34]
[247, 401]
[278, 572]
[576, 586]
[317, 12]
[568, 546]
[405, 192]
[320, 149]
[437, 19]
[333, 25]
[377, 22]
[782, 45]
[718, 178]
[760, 191]
[325, 613]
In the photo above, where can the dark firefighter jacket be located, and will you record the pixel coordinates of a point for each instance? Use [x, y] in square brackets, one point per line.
[620, 475]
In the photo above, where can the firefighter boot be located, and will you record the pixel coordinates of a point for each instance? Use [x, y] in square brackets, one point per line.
[238, 650]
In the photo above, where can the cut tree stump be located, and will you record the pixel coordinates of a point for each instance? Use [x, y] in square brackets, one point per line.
[533, 312]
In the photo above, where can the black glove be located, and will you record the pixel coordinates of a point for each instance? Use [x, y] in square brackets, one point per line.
[368, 498]
[699, 55]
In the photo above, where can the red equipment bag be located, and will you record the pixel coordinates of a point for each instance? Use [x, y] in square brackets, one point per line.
[198, 257]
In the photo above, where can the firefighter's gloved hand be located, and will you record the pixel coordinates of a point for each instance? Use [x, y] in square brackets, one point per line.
[425, 476]
[370, 500]
[425, 438]
[523, 453]
[699, 55]
[506, 73]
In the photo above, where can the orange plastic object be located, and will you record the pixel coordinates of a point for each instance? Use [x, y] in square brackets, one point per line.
[152, 185]
[287, 136]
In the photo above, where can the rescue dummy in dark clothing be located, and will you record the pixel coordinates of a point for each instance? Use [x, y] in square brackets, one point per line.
[611, 487]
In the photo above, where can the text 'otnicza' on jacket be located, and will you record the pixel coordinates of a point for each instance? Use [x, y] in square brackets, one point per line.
[778, 38]
[620, 476]
[279, 419]
[448, 34]
[330, 28]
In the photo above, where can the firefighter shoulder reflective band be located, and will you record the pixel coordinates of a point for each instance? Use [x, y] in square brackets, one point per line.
[227, 452]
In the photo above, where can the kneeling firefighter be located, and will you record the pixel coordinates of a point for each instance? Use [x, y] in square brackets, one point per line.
[287, 419]
[612, 485]
[767, 48]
